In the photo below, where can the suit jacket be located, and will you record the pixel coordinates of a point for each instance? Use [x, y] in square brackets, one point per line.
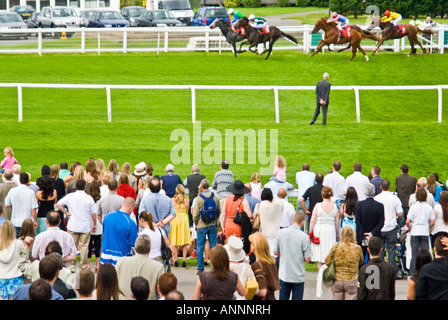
[138, 265]
[369, 216]
[323, 91]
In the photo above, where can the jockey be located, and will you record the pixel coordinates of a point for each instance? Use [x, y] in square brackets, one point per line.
[236, 15]
[339, 19]
[257, 22]
[392, 17]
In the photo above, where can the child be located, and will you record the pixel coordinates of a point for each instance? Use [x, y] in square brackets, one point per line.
[9, 160]
[255, 185]
[279, 170]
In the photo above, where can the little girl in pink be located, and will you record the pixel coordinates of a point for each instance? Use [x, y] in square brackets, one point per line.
[279, 169]
[9, 161]
[255, 185]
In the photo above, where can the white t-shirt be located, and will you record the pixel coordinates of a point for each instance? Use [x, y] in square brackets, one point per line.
[420, 214]
[358, 181]
[392, 206]
[156, 241]
[336, 182]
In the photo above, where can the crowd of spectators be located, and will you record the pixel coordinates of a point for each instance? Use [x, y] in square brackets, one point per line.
[127, 218]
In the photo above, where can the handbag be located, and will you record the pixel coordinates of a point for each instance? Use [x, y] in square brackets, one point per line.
[167, 254]
[314, 239]
[251, 286]
[238, 217]
[330, 272]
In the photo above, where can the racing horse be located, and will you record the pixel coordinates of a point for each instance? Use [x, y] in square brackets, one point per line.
[231, 36]
[255, 37]
[332, 37]
[389, 32]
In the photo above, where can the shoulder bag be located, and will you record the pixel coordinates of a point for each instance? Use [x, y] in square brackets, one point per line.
[238, 217]
[330, 272]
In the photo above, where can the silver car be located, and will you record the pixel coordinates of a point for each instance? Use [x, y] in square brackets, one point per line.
[59, 17]
[11, 20]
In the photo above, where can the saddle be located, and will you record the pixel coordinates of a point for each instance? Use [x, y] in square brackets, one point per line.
[241, 31]
[264, 30]
[345, 32]
[401, 28]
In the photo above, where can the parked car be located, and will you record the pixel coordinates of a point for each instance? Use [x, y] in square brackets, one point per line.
[11, 20]
[131, 13]
[59, 17]
[206, 15]
[24, 11]
[87, 16]
[181, 9]
[108, 19]
[33, 20]
[159, 18]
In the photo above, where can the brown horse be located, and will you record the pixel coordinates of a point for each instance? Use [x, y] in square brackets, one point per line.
[254, 37]
[390, 33]
[332, 37]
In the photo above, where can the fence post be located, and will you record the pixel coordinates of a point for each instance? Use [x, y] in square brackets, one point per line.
[277, 109]
[207, 41]
[125, 42]
[166, 41]
[439, 89]
[39, 41]
[358, 109]
[440, 39]
[20, 102]
[109, 105]
[83, 41]
[306, 42]
[158, 42]
[193, 105]
[99, 43]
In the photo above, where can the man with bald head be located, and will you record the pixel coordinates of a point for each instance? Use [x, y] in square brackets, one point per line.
[119, 233]
[288, 208]
[4, 189]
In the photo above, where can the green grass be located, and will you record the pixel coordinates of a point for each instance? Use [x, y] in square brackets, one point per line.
[71, 125]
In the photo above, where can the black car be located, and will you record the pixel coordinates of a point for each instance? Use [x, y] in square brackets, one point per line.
[33, 21]
[24, 11]
[158, 18]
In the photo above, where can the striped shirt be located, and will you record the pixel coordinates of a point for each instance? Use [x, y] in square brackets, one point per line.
[222, 180]
[53, 234]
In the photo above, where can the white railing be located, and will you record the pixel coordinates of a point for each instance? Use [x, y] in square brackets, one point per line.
[164, 39]
[193, 89]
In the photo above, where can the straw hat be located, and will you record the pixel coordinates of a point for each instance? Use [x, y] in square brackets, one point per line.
[140, 169]
[234, 249]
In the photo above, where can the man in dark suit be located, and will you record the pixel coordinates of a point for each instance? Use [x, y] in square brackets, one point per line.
[369, 217]
[322, 98]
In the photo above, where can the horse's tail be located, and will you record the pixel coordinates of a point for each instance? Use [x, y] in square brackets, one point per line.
[369, 35]
[426, 31]
[290, 38]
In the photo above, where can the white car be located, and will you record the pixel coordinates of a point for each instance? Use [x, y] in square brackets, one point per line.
[59, 17]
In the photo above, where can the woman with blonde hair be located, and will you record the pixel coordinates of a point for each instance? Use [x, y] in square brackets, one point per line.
[179, 226]
[279, 169]
[11, 277]
[348, 258]
[91, 173]
[114, 169]
[324, 224]
[100, 167]
[256, 186]
[264, 267]
[78, 173]
[126, 168]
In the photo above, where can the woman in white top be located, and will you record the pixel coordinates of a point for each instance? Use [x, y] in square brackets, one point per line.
[155, 234]
[10, 275]
[270, 211]
[420, 220]
[324, 225]
[441, 214]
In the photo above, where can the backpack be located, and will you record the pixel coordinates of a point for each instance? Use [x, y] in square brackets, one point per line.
[210, 211]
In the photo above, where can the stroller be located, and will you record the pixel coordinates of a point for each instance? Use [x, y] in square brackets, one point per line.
[400, 252]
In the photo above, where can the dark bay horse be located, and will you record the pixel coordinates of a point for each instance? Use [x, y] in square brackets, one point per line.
[254, 37]
[231, 36]
[389, 33]
[332, 37]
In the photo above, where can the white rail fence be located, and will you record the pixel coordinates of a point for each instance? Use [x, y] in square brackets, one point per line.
[170, 39]
[194, 88]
